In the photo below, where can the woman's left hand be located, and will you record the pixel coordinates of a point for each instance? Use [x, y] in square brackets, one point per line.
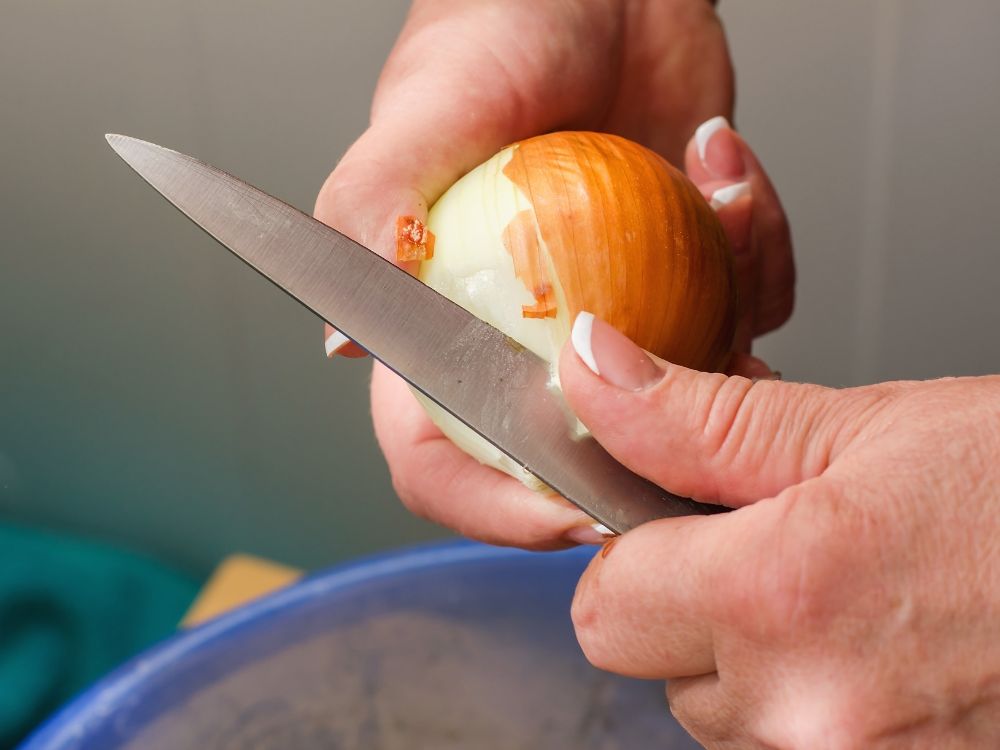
[467, 78]
[853, 598]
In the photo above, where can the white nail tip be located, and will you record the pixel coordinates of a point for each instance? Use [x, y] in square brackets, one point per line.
[601, 529]
[583, 326]
[726, 195]
[334, 342]
[705, 132]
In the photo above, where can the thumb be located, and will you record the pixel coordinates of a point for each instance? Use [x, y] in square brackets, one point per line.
[713, 437]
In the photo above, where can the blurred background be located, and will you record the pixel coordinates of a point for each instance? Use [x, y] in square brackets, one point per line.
[158, 395]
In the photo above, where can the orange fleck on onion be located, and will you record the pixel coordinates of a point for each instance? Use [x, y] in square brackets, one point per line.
[414, 241]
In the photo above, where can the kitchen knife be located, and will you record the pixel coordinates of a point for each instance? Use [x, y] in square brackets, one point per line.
[483, 377]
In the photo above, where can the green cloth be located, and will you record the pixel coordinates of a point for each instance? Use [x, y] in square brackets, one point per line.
[70, 611]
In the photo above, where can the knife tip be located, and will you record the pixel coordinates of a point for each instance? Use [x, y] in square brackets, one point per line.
[115, 140]
[126, 143]
[129, 148]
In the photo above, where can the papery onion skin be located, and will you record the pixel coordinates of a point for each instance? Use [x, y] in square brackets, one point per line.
[575, 221]
[633, 242]
[414, 241]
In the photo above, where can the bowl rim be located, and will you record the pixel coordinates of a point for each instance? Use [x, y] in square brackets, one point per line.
[94, 704]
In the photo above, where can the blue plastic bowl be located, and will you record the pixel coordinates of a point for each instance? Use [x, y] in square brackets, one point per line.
[450, 646]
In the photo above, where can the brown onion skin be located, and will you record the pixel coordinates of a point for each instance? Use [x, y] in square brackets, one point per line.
[631, 240]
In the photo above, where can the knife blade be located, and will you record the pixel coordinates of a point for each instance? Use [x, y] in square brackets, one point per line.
[486, 379]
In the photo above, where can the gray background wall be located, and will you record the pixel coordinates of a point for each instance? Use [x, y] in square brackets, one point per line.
[155, 392]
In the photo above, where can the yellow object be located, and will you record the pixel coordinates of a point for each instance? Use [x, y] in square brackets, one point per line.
[237, 580]
[574, 221]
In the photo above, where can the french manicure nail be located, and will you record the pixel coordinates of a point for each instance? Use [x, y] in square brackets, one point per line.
[705, 132]
[583, 328]
[729, 194]
[334, 342]
[611, 355]
[719, 149]
[594, 533]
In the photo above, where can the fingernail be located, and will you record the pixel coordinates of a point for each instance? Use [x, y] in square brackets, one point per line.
[611, 355]
[776, 375]
[729, 194]
[594, 533]
[556, 499]
[334, 342]
[705, 132]
[719, 149]
[583, 328]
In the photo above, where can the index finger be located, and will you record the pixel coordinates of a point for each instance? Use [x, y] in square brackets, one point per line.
[462, 82]
[649, 603]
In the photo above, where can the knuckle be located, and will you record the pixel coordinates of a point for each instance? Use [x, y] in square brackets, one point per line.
[798, 594]
[606, 629]
[743, 423]
[795, 586]
[725, 417]
[583, 611]
[586, 614]
[818, 716]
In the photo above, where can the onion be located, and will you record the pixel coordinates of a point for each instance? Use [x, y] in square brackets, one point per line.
[576, 221]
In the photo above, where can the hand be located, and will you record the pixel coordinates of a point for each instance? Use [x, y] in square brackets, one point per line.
[853, 599]
[467, 78]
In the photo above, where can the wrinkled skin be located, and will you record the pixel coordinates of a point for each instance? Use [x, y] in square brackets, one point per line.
[853, 599]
